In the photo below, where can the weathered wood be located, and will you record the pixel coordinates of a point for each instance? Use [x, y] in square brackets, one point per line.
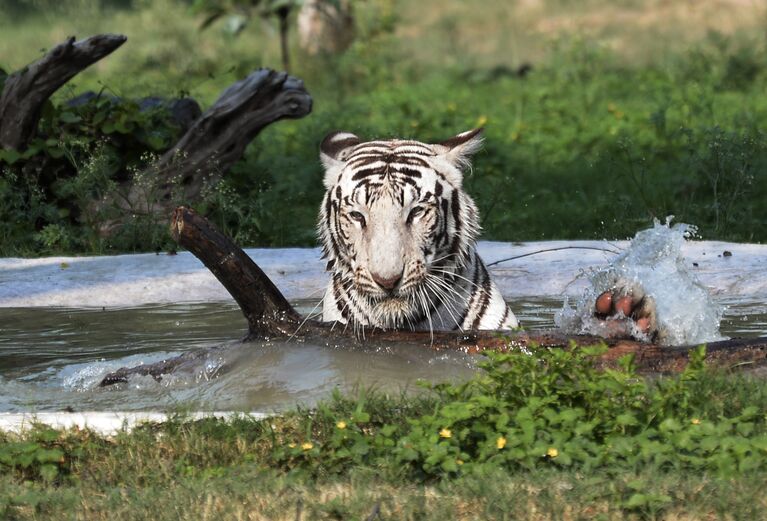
[26, 91]
[267, 311]
[212, 143]
[217, 139]
[270, 315]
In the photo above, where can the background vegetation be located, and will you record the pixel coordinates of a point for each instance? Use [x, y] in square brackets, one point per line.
[632, 110]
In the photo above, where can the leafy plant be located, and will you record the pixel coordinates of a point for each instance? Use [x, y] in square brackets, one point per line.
[51, 193]
[38, 457]
[551, 408]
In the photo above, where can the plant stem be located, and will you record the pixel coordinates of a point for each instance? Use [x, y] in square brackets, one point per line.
[283, 14]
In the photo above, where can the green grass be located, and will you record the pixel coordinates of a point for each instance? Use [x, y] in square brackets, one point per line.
[693, 446]
[617, 123]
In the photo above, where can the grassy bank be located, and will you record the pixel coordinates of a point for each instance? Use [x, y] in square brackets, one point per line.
[617, 123]
[533, 437]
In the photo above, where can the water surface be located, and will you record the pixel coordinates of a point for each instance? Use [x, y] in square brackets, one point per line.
[53, 359]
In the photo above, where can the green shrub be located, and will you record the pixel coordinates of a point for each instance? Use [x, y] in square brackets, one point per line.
[552, 408]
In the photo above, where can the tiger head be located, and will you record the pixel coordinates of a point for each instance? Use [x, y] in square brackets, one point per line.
[395, 218]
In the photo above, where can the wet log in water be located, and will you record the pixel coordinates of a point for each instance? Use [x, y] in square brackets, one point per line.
[269, 315]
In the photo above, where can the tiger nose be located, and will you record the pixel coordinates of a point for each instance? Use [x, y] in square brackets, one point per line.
[387, 283]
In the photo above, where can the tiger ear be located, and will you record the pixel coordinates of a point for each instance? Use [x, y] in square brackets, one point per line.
[458, 149]
[334, 150]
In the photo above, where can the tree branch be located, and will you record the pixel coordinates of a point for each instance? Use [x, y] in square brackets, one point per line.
[26, 91]
[217, 139]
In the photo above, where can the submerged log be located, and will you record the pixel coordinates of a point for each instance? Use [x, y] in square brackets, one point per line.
[269, 315]
[26, 91]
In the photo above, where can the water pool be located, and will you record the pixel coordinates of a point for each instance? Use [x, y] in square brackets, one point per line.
[53, 359]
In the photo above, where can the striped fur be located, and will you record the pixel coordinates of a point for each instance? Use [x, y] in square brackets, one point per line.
[399, 235]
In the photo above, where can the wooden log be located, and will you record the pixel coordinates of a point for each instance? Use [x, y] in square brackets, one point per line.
[216, 140]
[26, 91]
[267, 311]
[269, 315]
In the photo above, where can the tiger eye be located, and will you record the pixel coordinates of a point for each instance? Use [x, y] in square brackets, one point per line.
[415, 212]
[357, 216]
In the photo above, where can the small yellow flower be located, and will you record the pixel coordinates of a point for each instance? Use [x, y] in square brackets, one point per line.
[552, 452]
[341, 425]
[307, 445]
[500, 442]
[445, 433]
[481, 121]
[695, 421]
[459, 461]
[292, 445]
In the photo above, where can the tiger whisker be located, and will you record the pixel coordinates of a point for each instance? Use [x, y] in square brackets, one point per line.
[428, 315]
[308, 316]
[443, 297]
[444, 257]
[474, 284]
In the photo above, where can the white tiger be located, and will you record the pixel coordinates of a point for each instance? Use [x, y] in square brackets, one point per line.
[399, 234]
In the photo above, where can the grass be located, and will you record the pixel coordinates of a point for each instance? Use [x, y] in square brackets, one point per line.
[602, 136]
[245, 492]
[351, 457]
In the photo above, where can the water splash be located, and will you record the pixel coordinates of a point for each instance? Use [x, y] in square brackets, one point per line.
[686, 313]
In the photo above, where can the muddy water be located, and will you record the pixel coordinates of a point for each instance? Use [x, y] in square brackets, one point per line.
[53, 359]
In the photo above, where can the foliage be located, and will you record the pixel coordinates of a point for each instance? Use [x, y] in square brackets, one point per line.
[49, 192]
[39, 456]
[279, 9]
[553, 408]
[586, 145]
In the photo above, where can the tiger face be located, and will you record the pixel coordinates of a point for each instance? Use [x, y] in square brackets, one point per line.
[397, 227]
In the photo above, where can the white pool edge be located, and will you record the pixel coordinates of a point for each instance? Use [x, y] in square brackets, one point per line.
[106, 423]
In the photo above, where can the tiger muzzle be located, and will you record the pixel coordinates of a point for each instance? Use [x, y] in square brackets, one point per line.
[386, 283]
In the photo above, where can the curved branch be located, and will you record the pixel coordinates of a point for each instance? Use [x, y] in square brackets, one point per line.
[217, 139]
[26, 91]
[267, 311]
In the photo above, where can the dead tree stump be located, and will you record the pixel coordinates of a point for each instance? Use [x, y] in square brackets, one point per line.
[217, 139]
[26, 91]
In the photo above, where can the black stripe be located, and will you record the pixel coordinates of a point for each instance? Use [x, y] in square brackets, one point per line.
[456, 208]
[331, 224]
[343, 309]
[504, 317]
[367, 172]
[486, 287]
[410, 172]
[474, 288]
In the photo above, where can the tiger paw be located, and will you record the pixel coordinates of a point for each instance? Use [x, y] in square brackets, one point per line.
[626, 311]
